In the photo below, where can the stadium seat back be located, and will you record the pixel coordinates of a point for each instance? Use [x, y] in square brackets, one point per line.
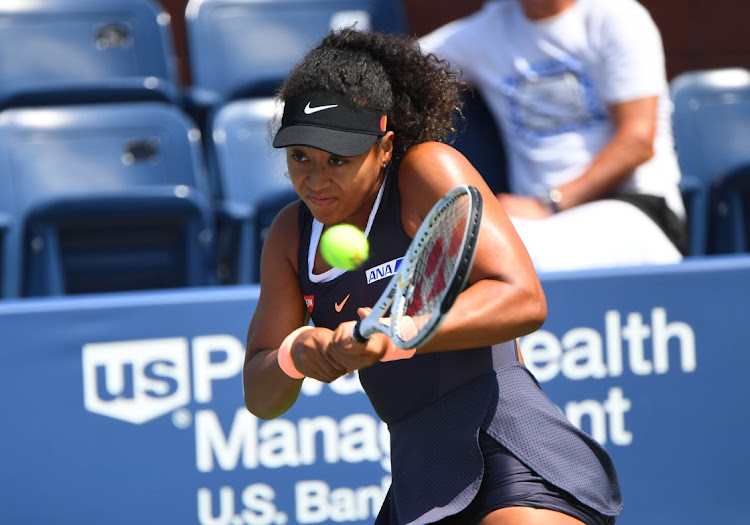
[70, 50]
[105, 197]
[246, 47]
[712, 132]
[6, 223]
[479, 138]
[251, 180]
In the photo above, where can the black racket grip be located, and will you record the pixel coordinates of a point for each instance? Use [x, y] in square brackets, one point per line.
[357, 335]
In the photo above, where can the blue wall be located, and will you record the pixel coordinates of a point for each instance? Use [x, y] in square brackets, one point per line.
[128, 408]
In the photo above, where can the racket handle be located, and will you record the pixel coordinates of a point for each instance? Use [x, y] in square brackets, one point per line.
[356, 334]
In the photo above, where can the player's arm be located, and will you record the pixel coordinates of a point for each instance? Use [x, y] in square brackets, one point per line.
[631, 145]
[504, 299]
[280, 310]
[632, 78]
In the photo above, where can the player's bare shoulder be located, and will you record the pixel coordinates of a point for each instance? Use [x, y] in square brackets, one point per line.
[428, 171]
[282, 240]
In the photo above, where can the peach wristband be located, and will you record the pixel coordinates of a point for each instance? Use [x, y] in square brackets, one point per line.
[394, 353]
[284, 355]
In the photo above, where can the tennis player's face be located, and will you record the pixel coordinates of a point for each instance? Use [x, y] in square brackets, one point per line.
[337, 189]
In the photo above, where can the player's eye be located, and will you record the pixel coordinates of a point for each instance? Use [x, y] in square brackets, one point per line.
[297, 157]
[336, 161]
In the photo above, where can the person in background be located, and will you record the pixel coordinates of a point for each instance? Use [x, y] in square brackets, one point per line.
[579, 90]
[474, 439]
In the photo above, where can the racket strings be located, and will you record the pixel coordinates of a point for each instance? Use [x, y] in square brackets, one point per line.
[436, 265]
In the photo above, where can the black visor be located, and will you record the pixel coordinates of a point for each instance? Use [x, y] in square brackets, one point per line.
[329, 122]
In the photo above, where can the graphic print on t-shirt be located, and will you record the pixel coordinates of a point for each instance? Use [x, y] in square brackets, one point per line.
[552, 97]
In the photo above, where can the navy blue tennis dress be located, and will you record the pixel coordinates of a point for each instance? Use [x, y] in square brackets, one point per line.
[438, 406]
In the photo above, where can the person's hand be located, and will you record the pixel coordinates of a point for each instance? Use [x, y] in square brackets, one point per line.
[352, 354]
[312, 358]
[523, 207]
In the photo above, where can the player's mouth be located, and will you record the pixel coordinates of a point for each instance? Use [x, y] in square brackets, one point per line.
[321, 202]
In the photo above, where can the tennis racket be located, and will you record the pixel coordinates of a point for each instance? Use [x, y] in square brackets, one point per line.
[432, 273]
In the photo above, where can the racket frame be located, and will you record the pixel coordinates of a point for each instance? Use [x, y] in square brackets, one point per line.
[394, 295]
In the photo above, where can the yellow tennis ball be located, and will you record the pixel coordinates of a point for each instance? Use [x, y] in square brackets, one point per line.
[344, 246]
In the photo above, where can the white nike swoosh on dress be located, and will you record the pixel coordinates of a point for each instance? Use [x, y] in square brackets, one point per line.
[309, 111]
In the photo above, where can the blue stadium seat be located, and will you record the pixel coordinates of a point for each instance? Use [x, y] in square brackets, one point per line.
[712, 136]
[241, 48]
[63, 51]
[6, 222]
[103, 197]
[250, 181]
[730, 226]
[479, 138]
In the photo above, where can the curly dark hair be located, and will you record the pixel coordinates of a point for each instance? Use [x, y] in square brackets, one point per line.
[421, 95]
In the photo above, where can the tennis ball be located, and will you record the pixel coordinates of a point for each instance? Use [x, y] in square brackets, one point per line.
[344, 246]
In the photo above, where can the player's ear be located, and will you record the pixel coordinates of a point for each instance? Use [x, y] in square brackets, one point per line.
[386, 147]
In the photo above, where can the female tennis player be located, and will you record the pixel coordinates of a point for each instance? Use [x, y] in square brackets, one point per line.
[473, 437]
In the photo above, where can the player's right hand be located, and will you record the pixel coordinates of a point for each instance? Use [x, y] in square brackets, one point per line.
[311, 356]
[351, 353]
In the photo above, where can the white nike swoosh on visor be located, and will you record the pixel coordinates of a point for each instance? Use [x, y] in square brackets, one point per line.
[310, 111]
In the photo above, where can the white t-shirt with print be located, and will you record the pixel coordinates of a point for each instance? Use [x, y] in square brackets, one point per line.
[550, 83]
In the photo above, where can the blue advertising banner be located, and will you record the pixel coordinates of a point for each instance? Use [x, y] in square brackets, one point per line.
[653, 363]
[127, 408]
